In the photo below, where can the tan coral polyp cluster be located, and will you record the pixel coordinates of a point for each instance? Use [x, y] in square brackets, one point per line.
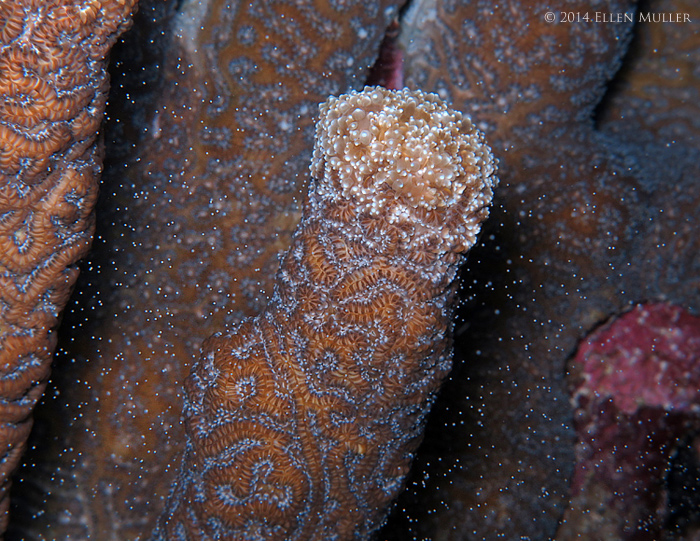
[401, 153]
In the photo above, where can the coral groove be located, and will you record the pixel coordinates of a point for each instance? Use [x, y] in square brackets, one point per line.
[303, 421]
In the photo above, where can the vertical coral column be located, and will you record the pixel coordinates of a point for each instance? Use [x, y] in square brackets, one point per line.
[53, 87]
[190, 230]
[302, 422]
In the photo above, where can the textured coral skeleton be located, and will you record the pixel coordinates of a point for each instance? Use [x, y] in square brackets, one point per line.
[303, 421]
[574, 240]
[53, 83]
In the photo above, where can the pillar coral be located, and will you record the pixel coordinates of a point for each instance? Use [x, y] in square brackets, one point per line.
[584, 226]
[189, 239]
[302, 422]
[53, 83]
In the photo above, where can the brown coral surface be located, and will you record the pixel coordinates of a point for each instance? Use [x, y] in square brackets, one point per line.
[302, 422]
[53, 88]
